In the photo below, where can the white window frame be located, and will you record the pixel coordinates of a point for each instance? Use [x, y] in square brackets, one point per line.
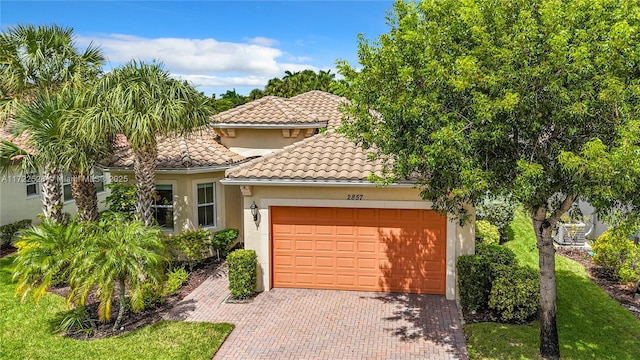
[172, 206]
[214, 204]
[33, 176]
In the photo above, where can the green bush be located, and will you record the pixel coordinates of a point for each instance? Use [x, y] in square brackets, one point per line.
[222, 240]
[76, 320]
[192, 246]
[487, 233]
[154, 294]
[496, 255]
[8, 232]
[151, 295]
[243, 266]
[498, 210]
[122, 198]
[615, 252]
[175, 280]
[515, 294]
[474, 281]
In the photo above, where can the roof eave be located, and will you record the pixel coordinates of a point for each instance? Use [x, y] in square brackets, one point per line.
[193, 170]
[311, 182]
[313, 125]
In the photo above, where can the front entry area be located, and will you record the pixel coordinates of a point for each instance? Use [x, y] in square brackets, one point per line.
[365, 249]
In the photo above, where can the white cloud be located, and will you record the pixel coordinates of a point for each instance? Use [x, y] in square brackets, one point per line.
[263, 41]
[205, 62]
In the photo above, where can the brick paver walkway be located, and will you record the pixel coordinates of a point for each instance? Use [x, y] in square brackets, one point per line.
[327, 324]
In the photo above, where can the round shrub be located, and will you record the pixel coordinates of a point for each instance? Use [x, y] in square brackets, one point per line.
[496, 255]
[515, 294]
[616, 253]
[175, 279]
[243, 267]
[474, 281]
[487, 233]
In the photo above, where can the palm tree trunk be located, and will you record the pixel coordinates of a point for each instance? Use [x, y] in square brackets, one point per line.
[84, 193]
[549, 344]
[144, 167]
[122, 307]
[52, 193]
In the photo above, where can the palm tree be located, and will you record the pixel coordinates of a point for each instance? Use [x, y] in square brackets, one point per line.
[141, 101]
[35, 58]
[119, 253]
[36, 63]
[44, 255]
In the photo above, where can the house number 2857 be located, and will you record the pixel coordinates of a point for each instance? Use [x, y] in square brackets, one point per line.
[355, 196]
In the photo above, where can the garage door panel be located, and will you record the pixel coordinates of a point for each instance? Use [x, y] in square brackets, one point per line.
[359, 249]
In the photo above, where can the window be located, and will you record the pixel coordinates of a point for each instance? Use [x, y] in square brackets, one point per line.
[66, 186]
[98, 179]
[163, 206]
[32, 184]
[206, 205]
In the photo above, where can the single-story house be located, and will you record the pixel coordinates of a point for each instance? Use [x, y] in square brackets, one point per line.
[299, 193]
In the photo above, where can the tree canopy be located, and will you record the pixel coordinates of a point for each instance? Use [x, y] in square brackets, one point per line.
[501, 96]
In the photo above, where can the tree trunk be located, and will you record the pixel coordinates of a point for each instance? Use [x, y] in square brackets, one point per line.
[122, 307]
[52, 193]
[84, 193]
[549, 345]
[144, 167]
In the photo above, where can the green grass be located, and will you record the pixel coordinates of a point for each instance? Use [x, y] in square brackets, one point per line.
[25, 333]
[591, 325]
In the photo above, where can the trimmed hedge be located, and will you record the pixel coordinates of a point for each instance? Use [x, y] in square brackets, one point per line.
[487, 233]
[474, 281]
[515, 294]
[243, 273]
[496, 255]
[193, 246]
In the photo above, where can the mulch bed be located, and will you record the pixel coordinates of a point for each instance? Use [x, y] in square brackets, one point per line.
[607, 281]
[132, 321]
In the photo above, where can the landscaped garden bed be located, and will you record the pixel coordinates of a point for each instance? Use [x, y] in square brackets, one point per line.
[133, 321]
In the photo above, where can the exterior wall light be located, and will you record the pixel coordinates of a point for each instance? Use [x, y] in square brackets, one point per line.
[254, 211]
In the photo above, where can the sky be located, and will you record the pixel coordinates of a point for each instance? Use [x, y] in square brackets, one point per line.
[216, 45]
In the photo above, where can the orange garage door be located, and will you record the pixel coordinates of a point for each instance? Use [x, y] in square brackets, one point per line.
[359, 249]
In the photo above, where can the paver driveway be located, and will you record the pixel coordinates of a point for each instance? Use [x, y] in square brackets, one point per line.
[328, 324]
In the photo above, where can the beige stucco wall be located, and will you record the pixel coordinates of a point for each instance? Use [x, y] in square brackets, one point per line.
[253, 142]
[228, 199]
[15, 205]
[460, 239]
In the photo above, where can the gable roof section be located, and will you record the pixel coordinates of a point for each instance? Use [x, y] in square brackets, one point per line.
[267, 111]
[324, 104]
[323, 157]
[197, 149]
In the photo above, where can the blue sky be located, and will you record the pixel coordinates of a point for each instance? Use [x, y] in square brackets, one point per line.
[217, 45]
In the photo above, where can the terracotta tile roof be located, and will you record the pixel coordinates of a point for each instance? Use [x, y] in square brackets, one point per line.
[329, 156]
[198, 149]
[271, 110]
[323, 104]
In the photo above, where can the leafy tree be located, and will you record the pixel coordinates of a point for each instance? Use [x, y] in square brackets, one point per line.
[141, 101]
[295, 83]
[508, 96]
[119, 254]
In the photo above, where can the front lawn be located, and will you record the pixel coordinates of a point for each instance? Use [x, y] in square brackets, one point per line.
[25, 333]
[591, 325]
